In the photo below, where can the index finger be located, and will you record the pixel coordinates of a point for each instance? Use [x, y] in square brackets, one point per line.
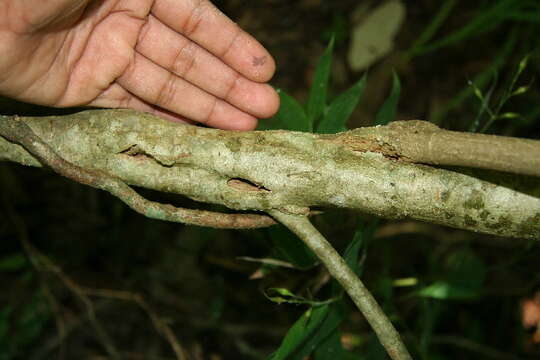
[203, 23]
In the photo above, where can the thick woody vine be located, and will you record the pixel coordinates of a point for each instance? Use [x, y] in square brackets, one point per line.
[378, 165]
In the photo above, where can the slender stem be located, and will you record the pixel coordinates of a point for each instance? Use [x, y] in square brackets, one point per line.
[387, 334]
[16, 130]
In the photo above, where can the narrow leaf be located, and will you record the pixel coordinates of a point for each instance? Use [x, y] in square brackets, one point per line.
[282, 295]
[13, 262]
[388, 110]
[464, 278]
[331, 348]
[509, 115]
[522, 65]
[291, 248]
[291, 114]
[352, 252]
[520, 90]
[310, 331]
[339, 111]
[319, 88]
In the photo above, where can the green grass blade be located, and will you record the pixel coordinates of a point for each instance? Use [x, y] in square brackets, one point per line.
[480, 80]
[310, 331]
[388, 110]
[464, 279]
[486, 20]
[318, 91]
[432, 28]
[291, 115]
[15, 262]
[351, 254]
[331, 348]
[291, 248]
[335, 119]
[484, 103]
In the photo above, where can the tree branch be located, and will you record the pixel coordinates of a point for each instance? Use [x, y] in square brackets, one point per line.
[337, 267]
[261, 171]
[423, 142]
[17, 131]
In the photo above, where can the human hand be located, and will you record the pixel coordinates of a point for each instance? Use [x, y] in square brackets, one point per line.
[183, 60]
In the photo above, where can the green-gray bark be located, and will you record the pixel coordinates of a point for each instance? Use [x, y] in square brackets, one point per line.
[283, 170]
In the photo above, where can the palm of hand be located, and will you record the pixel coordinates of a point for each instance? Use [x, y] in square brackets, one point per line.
[181, 59]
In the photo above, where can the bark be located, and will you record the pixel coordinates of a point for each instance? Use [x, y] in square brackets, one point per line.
[365, 169]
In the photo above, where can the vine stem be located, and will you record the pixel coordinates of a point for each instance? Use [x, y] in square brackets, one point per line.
[360, 295]
[16, 130]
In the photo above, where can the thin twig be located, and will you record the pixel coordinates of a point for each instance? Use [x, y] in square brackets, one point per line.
[16, 130]
[387, 334]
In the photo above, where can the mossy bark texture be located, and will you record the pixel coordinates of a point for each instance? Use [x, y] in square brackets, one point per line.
[288, 171]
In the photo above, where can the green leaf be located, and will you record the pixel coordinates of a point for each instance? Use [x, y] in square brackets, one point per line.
[464, 278]
[444, 290]
[282, 295]
[13, 262]
[291, 115]
[331, 348]
[522, 65]
[317, 93]
[520, 90]
[291, 248]
[436, 22]
[310, 331]
[335, 119]
[388, 110]
[482, 79]
[353, 250]
[5, 314]
[487, 19]
[356, 251]
[509, 115]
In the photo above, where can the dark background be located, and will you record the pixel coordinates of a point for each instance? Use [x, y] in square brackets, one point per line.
[192, 278]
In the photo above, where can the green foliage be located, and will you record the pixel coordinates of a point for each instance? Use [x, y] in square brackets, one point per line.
[291, 115]
[491, 15]
[387, 112]
[13, 262]
[323, 117]
[285, 296]
[487, 18]
[313, 329]
[480, 79]
[431, 29]
[317, 329]
[341, 108]
[464, 277]
[21, 326]
[290, 248]
[317, 94]
[495, 113]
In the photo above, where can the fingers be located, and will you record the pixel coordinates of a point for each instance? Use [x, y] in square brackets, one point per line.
[118, 97]
[189, 61]
[157, 85]
[203, 23]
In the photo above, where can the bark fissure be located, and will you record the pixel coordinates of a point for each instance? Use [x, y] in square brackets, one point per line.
[302, 169]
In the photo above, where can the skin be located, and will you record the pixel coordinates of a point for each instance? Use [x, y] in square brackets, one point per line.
[183, 60]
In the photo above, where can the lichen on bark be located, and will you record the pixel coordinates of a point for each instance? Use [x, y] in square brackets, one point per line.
[282, 168]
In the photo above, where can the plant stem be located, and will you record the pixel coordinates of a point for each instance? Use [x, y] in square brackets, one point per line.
[360, 295]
